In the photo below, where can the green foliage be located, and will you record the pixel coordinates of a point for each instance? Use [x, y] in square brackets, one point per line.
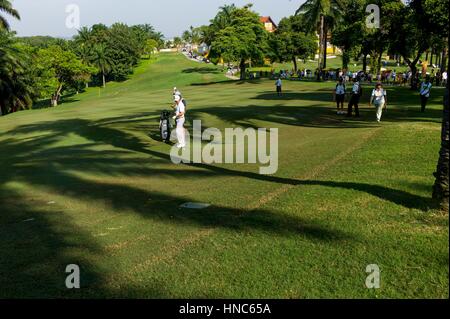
[289, 42]
[115, 50]
[312, 10]
[42, 41]
[17, 89]
[353, 37]
[5, 6]
[419, 29]
[324, 16]
[193, 36]
[57, 69]
[244, 39]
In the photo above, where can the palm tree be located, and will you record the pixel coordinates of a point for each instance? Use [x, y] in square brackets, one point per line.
[321, 15]
[5, 6]
[101, 60]
[223, 18]
[84, 35]
[440, 188]
[16, 88]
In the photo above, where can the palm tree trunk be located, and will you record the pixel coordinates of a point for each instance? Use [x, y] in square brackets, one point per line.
[444, 60]
[440, 188]
[320, 47]
[104, 79]
[325, 46]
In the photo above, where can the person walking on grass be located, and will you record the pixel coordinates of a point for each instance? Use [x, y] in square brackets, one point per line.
[354, 99]
[340, 96]
[425, 90]
[179, 117]
[279, 85]
[379, 99]
[444, 78]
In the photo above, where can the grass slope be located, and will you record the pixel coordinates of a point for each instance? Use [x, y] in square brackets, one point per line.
[89, 183]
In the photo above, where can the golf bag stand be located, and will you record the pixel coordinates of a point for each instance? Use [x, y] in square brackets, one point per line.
[165, 127]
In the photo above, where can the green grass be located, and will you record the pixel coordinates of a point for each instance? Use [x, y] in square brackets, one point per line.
[98, 190]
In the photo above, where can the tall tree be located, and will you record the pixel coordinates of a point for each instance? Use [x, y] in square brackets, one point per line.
[415, 35]
[243, 40]
[101, 60]
[321, 15]
[16, 84]
[288, 42]
[441, 184]
[6, 7]
[439, 10]
[59, 69]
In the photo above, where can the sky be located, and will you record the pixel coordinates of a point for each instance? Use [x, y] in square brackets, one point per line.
[171, 17]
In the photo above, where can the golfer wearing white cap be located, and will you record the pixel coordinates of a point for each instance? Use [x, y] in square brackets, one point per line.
[176, 92]
[179, 118]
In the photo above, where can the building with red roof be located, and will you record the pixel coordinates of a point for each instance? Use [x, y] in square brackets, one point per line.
[269, 24]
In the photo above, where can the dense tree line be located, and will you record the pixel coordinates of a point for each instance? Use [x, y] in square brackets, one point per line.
[44, 68]
[236, 35]
[406, 29]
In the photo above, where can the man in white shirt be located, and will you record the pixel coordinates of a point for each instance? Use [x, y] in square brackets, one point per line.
[179, 117]
[279, 84]
[444, 78]
[425, 90]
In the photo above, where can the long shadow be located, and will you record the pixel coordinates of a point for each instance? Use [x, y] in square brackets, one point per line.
[302, 116]
[125, 141]
[35, 253]
[235, 82]
[36, 171]
[36, 246]
[202, 70]
[314, 115]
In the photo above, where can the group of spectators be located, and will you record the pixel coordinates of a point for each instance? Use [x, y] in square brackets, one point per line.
[387, 77]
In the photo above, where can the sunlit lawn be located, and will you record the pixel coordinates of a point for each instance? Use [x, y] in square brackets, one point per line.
[89, 183]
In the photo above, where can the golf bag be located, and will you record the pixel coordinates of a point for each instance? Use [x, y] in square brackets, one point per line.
[165, 127]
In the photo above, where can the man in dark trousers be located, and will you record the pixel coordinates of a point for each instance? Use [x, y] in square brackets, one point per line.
[425, 90]
[354, 100]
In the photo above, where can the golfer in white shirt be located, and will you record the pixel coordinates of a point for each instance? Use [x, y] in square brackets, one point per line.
[180, 119]
[379, 99]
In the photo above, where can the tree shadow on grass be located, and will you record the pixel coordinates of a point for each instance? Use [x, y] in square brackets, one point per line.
[202, 70]
[35, 254]
[235, 82]
[37, 245]
[119, 139]
[39, 240]
[404, 104]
